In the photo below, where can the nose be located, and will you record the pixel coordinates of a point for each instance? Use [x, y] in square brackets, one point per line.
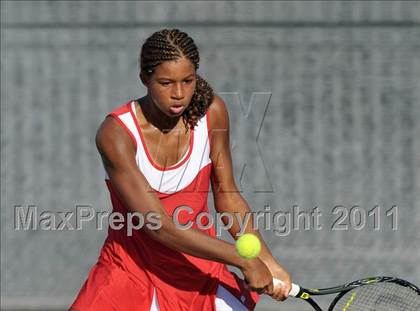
[178, 92]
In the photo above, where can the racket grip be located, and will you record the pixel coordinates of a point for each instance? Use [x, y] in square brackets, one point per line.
[293, 292]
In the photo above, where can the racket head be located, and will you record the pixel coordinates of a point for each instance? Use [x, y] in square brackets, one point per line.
[388, 295]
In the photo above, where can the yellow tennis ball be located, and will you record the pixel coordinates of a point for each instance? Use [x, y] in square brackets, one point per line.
[248, 246]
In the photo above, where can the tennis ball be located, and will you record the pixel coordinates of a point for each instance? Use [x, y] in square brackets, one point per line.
[248, 246]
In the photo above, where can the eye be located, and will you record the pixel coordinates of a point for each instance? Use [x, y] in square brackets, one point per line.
[164, 83]
[188, 81]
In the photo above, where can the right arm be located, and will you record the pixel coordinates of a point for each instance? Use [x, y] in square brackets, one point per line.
[118, 155]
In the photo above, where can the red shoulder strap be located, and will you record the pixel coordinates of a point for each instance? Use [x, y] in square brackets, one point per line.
[119, 111]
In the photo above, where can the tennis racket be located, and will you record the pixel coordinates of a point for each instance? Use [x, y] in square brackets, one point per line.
[380, 293]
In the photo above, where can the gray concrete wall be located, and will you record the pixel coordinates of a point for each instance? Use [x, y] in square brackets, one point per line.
[332, 86]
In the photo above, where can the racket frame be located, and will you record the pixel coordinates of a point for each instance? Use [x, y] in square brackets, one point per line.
[306, 293]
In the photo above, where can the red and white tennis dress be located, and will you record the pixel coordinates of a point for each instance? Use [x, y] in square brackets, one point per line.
[138, 273]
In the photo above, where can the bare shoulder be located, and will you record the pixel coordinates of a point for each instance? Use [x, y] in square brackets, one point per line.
[219, 117]
[113, 141]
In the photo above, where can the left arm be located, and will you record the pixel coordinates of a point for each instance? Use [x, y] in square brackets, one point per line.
[227, 197]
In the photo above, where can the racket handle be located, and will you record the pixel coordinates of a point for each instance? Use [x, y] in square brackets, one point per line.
[293, 292]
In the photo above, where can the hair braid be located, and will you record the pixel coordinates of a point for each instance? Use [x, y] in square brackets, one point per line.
[172, 44]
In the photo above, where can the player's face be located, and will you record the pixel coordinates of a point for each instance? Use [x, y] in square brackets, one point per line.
[172, 85]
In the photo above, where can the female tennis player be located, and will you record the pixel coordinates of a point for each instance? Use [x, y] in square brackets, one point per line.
[161, 152]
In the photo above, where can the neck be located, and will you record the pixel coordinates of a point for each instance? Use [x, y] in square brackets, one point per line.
[156, 117]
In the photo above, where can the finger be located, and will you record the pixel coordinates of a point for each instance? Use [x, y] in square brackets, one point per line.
[282, 292]
[260, 291]
[277, 297]
[282, 296]
[278, 294]
[286, 290]
[270, 289]
[277, 291]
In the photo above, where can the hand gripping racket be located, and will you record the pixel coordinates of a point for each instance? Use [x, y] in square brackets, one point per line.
[380, 293]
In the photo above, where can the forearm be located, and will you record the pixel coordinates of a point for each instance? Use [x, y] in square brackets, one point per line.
[239, 209]
[198, 244]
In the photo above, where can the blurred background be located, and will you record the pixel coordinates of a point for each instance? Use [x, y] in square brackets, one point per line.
[324, 105]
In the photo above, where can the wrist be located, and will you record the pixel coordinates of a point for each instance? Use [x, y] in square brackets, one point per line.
[243, 264]
[268, 259]
[273, 265]
[251, 264]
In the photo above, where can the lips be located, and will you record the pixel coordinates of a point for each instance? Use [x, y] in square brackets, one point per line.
[176, 109]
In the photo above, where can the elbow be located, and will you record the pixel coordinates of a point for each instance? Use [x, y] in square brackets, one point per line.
[156, 233]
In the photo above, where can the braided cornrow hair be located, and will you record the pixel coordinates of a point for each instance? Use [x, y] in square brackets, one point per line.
[172, 44]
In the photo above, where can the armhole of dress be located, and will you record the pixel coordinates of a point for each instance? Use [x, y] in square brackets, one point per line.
[115, 116]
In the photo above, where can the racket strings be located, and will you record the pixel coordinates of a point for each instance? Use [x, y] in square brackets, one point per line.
[379, 297]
